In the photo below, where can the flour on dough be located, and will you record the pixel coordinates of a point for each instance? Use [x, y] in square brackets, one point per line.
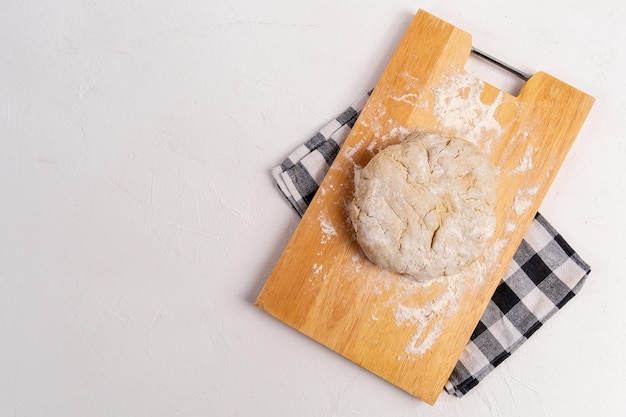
[425, 207]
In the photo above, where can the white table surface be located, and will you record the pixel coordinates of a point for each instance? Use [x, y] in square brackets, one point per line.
[139, 221]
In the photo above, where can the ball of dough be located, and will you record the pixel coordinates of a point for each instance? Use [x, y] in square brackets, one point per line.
[425, 207]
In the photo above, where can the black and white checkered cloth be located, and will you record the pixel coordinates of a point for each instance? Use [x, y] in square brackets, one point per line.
[543, 276]
[299, 176]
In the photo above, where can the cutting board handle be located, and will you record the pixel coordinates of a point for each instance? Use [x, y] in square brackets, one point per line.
[501, 64]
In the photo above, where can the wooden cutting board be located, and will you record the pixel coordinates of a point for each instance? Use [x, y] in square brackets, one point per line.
[408, 333]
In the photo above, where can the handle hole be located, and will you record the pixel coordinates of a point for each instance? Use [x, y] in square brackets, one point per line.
[494, 75]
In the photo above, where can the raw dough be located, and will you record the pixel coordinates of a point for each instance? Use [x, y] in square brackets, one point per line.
[425, 207]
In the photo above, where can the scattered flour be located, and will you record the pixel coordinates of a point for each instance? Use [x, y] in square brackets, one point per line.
[526, 162]
[521, 204]
[458, 107]
[328, 230]
[411, 83]
[532, 190]
[410, 80]
[350, 151]
[415, 100]
[430, 317]
[357, 263]
[317, 269]
[514, 143]
[399, 132]
[510, 227]
[493, 252]
[419, 348]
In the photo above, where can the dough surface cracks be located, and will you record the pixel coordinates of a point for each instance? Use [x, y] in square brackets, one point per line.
[425, 207]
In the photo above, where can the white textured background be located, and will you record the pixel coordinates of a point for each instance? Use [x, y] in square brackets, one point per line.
[138, 220]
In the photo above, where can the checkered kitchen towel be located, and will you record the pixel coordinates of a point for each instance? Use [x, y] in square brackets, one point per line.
[543, 276]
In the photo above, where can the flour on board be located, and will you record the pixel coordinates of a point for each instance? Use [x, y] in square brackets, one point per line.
[459, 108]
[526, 162]
[317, 269]
[357, 262]
[430, 317]
[328, 230]
[400, 132]
[514, 143]
[532, 190]
[521, 203]
[410, 98]
[414, 99]
[350, 151]
[510, 227]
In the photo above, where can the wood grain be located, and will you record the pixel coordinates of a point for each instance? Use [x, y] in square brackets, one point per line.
[408, 333]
